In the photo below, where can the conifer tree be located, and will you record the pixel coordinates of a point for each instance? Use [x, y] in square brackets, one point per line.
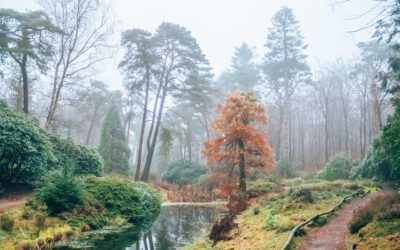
[285, 68]
[22, 39]
[113, 143]
[243, 74]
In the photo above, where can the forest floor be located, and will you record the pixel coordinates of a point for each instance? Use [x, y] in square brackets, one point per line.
[334, 234]
[267, 222]
[14, 197]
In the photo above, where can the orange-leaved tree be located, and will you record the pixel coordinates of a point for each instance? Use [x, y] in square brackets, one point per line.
[240, 142]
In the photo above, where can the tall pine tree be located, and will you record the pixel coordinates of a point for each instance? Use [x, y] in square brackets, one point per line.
[285, 68]
[243, 74]
[22, 38]
[113, 143]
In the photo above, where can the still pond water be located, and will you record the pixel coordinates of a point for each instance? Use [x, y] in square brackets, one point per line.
[175, 227]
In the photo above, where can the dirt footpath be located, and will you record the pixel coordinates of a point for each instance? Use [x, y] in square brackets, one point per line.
[333, 236]
[14, 199]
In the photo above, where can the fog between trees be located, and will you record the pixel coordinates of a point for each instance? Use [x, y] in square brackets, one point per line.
[169, 94]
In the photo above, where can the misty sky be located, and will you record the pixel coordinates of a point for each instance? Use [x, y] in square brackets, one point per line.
[221, 25]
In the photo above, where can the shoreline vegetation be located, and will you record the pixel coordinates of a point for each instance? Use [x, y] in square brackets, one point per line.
[69, 194]
[270, 216]
[106, 201]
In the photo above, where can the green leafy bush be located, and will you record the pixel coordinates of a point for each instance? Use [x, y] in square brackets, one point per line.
[300, 232]
[319, 222]
[270, 221]
[184, 172]
[96, 200]
[28, 152]
[338, 167]
[135, 202]
[85, 161]
[302, 194]
[61, 194]
[391, 147]
[374, 165]
[383, 160]
[24, 148]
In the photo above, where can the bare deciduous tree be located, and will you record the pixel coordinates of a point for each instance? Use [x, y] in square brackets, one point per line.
[86, 27]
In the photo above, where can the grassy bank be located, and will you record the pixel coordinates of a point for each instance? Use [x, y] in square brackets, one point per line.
[267, 223]
[65, 208]
[377, 226]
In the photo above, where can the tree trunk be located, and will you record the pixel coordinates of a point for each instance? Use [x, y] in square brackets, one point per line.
[365, 133]
[150, 153]
[151, 244]
[152, 137]
[286, 105]
[377, 109]
[242, 166]
[346, 131]
[292, 138]
[189, 142]
[49, 117]
[326, 118]
[20, 98]
[58, 84]
[278, 144]
[181, 151]
[142, 130]
[360, 135]
[285, 132]
[302, 143]
[205, 125]
[326, 139]
[128, 129]
[145, 242]
[89, 134]
[25, 84]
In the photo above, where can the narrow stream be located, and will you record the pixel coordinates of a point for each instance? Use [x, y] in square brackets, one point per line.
[175, 227]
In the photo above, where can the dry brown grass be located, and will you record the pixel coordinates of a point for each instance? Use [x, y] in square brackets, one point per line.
[187, 193]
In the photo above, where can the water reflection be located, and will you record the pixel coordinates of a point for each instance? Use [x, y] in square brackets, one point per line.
[175, 227]
[178, 226]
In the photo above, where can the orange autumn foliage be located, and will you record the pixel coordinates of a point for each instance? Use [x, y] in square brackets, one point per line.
[240, 119]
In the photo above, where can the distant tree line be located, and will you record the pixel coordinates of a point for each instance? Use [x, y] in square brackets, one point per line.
[163, 114]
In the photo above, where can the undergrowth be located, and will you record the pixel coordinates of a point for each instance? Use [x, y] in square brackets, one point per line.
[380, 209]
[267, 224]
[65, 208]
